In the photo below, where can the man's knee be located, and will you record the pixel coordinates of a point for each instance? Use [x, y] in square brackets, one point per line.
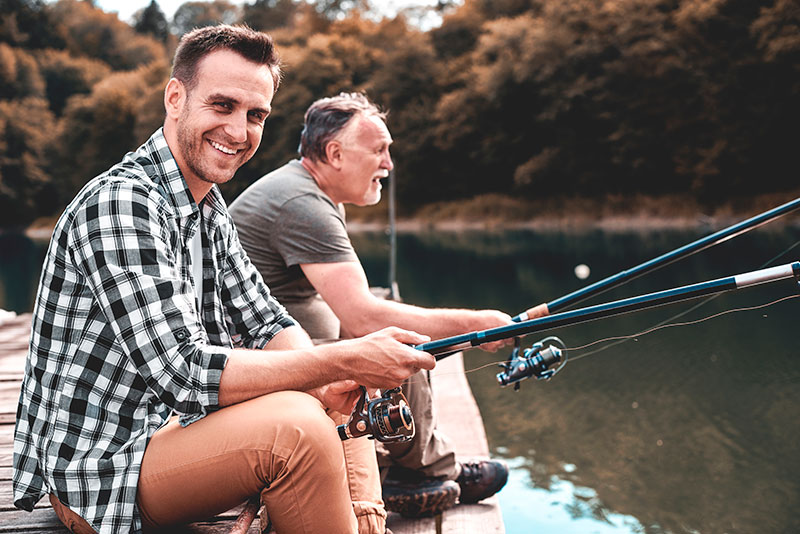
[303, 430]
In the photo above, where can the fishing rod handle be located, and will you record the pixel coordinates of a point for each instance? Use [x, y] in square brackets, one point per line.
[532, 313]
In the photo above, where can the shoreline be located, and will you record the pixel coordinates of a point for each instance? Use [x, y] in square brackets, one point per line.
[619, 223]
[494, 212]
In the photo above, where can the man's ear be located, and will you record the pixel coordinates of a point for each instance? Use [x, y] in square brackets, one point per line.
[334, 154]
[174, 98]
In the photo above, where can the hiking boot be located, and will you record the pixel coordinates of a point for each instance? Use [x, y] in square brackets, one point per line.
[419, 496]
[482, 479]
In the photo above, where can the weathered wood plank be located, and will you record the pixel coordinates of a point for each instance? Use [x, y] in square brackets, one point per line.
[460, 419]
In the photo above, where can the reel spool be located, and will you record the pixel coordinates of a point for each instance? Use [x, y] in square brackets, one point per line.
[536, 361]
[387, 418]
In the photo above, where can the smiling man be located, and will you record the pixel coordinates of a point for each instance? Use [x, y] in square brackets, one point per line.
[146, 400]
[291, 223]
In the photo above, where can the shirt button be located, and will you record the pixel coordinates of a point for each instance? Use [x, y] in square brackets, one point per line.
[180, 335]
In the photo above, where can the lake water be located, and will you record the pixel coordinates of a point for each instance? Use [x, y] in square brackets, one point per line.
[688, 429]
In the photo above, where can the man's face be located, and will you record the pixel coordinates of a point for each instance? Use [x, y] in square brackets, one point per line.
[365, 160]
[222, 119]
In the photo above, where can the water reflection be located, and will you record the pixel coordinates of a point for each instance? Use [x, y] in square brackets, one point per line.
[20, 264]
[686, 429]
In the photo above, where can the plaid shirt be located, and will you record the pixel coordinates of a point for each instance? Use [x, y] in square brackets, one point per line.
[117, 342]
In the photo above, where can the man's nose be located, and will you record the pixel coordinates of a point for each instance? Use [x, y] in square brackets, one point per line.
[236, 127]
[387, 162]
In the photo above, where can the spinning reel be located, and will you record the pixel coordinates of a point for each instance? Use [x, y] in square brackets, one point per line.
[536, 361]
[387, 418]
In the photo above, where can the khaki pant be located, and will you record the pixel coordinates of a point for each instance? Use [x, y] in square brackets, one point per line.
[282, 446]
[430, 452]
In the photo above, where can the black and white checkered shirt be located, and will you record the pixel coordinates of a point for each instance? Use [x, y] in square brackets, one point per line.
[117, 342]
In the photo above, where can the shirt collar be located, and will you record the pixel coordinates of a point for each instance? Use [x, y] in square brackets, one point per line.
[155, 157]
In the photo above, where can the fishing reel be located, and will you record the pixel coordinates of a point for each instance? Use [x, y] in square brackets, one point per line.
[387, 418]
[536, 361]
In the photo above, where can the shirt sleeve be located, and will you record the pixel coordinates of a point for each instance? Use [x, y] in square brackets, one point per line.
[123, 240]
[255, 315]
[311, 230]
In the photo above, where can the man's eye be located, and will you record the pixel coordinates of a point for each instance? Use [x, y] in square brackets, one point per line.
[223, 105]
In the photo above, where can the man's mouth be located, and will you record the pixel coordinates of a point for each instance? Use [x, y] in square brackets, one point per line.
[222, 148]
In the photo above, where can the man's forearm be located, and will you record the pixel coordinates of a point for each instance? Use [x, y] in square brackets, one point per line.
[434, 322]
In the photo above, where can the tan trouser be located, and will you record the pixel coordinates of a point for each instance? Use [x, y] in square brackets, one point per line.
[430, 452]
[282, 446]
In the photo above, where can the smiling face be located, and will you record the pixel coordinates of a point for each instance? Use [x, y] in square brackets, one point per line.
[216, 126]
[365, 159]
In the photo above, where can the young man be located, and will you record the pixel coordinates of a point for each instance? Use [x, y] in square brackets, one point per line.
[291, 224]
[146, 401]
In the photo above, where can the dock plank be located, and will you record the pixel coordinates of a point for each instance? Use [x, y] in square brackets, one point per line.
[458, 416]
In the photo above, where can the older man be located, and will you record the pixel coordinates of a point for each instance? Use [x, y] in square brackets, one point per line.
[291, 223]
[146, 401]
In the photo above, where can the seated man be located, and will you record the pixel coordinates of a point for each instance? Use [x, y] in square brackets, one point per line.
[146, 400]
[291, 224]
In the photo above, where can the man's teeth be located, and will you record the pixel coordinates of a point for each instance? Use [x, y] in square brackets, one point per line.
[223, 148]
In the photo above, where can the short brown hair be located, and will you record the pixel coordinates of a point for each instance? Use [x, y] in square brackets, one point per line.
[250, 44]
[326, 117]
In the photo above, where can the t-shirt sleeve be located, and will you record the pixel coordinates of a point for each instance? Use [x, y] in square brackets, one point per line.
[311, 230]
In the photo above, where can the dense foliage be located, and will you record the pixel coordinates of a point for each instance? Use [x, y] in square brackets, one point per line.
[531, 98]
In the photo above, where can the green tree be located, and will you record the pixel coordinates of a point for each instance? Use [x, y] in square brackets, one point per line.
[152, 21]
[196, 14]
[266, 15]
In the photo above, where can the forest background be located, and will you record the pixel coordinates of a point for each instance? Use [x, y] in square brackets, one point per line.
[509, 108]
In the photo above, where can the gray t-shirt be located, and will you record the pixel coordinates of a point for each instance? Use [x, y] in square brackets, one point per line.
[285, 220]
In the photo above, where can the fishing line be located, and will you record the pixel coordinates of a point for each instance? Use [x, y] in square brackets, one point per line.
[621, 339]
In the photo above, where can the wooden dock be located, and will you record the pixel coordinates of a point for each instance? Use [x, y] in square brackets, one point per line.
[458, 417]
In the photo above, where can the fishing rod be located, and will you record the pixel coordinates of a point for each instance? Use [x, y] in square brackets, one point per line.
[665, 259]
[649, 266]
[540, 359]
[547, 357]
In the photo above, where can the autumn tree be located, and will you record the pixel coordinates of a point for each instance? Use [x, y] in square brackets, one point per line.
[88, 31]
[26, 189]
[66, 76]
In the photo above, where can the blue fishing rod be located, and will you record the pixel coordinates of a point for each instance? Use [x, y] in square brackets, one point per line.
[388, 418]
[540, 360]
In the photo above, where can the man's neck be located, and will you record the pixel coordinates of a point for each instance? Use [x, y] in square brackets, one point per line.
[197, 187]
[317, 172]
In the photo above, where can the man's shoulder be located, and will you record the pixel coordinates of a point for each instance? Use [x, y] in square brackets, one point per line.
[290, 180]
[277, 190]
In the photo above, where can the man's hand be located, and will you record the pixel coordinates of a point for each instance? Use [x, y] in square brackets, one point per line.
[486, 319]
[340, 396]
[385, 358]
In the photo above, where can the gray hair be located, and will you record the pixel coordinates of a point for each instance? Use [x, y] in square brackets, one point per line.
[327, 117]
